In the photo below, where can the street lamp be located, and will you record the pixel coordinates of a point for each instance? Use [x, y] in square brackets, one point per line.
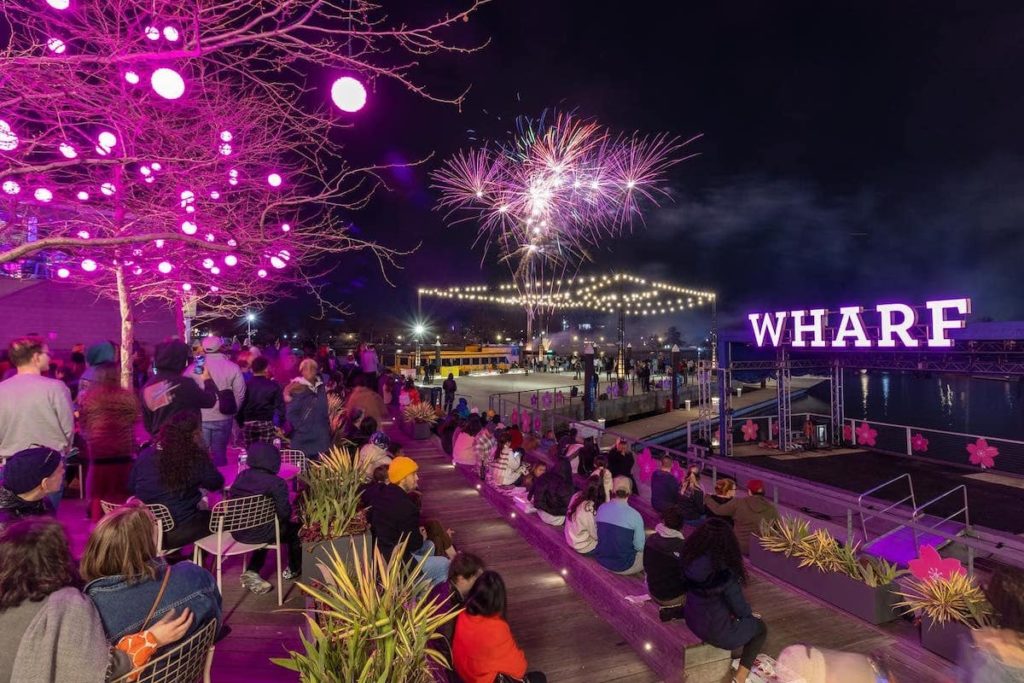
[249, 319]
[418, 330]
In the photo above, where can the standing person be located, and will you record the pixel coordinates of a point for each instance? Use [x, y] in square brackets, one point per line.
[484, 646]
[168, 392]
[369, 363]
[96, 356]
[217, 420]
[620, 532]
[107, 416]
[664, 486]
[716, 610]
[262, 409]
[449, 387]
[621, 461]
[725, 490]
[307, 412]
[49, 631]
[171, 472]
[661, 564]
[34, 410]
[394, 517]
[30, 477]
[747, 513]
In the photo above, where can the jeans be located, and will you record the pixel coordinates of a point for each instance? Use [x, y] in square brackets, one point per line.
[449, 400]
[216, 435]
[434, 568]
[754, 646]
[289, 539]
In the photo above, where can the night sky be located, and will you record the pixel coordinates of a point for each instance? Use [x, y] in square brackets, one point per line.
[852, 152]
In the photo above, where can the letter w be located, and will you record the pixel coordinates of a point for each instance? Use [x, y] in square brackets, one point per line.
[765, 326]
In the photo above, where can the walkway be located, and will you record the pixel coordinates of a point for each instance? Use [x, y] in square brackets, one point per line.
[559, 632]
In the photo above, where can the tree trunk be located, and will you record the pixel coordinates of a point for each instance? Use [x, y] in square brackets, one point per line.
[127, 328]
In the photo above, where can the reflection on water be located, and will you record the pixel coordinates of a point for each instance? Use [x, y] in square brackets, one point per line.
[951, 402]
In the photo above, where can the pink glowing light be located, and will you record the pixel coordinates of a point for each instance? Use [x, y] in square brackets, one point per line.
[63, 273]
[150, 179]
[8, 138]
[232, 243]
[83, 195]
[83, 234]
[190, 209]
[171, 33]
[274, 180]
[226, 136]
[42, 195]
[224, 148]
[348, 94]
[67, 150]
[153, 33]
[261, 272]
[189, 228]
[159, 244]
[164, 267]
[132, 77]
[285, 227]
[59, 4]
[210, 237]
[56, 46]
[137, 270]
[208, 263]
[231, 260]
[277, 262]
[156, 166]
[215, 270]
[88, 265]
[186, 287]
[145, 170]
[108, 189]
[215, 195]
[919, 443]
[167, 83]
[11, 187]
[107, 140]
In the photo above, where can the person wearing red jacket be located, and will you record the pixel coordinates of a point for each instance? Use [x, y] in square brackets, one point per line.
[484, 650]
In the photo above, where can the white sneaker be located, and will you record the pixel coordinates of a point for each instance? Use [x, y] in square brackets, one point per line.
[253, 583]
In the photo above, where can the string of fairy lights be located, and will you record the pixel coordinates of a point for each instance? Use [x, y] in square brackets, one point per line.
[635, 296]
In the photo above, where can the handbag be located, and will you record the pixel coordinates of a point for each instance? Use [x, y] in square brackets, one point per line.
[141, 646]
[226, 402]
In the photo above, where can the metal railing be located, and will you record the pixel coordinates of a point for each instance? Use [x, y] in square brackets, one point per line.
[910, 497]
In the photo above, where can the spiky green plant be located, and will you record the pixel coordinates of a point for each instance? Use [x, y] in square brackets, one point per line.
[784, 535]
[419, 412]
[956, 598]
[373, 623]
[330, 503]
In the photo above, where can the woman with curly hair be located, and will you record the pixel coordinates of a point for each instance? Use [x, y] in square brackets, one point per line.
[716, 610]
[171, 472]
[107, 417]
[49, 631]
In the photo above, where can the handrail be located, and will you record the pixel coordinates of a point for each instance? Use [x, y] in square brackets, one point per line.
[964, 509]
[910, 485]
[913, 502]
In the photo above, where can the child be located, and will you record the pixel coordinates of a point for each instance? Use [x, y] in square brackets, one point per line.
[261, 479]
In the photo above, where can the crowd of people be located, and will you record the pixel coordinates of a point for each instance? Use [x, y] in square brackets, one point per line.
[165, 441]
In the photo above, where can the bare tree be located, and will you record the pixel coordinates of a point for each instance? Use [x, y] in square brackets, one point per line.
[186, 151]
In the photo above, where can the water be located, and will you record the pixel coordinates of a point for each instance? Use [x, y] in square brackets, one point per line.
[953, 403]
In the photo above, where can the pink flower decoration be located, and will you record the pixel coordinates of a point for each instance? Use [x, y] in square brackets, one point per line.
[847, 433]
[677, 471]
[749, 430]
[538, 425]
[775, 428]
[919, 443]
[930, 565]
[533, 400]
[982, 454]
[526, 421]
[647, 465]
[514, 417]
[866, 435]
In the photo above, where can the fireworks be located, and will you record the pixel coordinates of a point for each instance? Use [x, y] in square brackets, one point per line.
[556, 191]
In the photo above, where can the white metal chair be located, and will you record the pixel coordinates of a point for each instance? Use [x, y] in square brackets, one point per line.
[293, 465]
[237, 514]
[164, 523]
[188, 662]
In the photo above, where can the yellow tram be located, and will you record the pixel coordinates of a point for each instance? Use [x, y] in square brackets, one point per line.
[472, 359]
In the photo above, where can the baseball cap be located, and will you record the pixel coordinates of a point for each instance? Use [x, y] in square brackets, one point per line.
[25, 469]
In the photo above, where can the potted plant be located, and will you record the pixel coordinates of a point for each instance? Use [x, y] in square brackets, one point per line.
[817, 563]
[330, 509]
[373, 621]
[948, 602]
[419, 418]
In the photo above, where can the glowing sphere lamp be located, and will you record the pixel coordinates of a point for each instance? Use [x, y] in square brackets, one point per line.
[167, 83]
[348, 94]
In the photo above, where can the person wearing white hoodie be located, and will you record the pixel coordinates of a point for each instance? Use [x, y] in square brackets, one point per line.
[580, 525]
[217, 424]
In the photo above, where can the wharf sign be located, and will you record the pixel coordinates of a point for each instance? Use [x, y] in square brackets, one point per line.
[889, 326]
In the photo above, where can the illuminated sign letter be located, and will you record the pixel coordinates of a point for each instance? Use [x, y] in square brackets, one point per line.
[766, 327]
[851, 326]
[900, 329]
[816, 327]
[937, 334]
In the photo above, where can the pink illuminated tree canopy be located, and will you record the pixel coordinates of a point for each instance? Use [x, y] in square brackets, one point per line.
[171, 134]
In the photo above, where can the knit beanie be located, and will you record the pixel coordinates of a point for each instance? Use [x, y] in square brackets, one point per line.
[400, 468]
[102, 352]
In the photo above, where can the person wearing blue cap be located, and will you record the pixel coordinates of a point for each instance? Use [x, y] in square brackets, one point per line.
[29, 477]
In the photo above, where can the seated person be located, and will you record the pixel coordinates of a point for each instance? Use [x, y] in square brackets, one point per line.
[664, 486]
[30, 477]
[747, 513]
[171, 472]
[621, 461]
[394, 516]
[587, 454]
[551, 493]
[261, 479]
[661, 564]
[716, 610]
[580, 523]
[373, 453]
[463, 571]
[691, 496]
[509, 469]
[49, 631]
[484, 646]
[620, 532]
[602, 473]
[725, 490]
[463, 451]
[124, 576]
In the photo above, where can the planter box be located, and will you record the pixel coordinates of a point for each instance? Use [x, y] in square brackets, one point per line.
[873, 605]
[314, 553]
[416, 430]
[943, 639]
